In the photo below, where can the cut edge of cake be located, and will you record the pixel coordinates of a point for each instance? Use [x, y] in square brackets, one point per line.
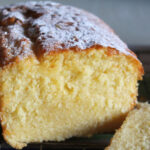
[73, 61]
[134, 132]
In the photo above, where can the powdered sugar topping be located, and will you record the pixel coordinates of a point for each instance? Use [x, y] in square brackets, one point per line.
[48, 26]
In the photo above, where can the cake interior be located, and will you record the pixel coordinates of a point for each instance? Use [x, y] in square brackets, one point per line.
[135, 131]
[66, 94]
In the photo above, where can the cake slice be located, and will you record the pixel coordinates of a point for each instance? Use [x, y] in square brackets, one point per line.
[63, 73]
[134, 133]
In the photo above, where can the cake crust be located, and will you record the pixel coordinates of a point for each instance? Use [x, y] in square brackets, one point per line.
[40, 28]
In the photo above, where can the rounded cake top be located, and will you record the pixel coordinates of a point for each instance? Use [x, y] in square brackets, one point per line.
[34, 28]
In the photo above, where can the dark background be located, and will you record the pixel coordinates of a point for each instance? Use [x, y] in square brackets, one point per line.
[129, 18]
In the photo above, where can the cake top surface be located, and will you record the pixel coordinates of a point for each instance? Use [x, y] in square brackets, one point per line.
[34, 28]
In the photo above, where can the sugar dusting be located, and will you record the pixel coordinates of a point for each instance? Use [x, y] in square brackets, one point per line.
[49, 27]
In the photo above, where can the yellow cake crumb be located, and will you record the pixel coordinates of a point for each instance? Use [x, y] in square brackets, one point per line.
[134, 134]
[66, 94]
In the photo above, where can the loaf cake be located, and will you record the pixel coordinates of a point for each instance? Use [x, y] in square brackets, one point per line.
[63, 73]
[134, 134]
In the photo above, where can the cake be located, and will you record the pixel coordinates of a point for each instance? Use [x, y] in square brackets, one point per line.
[63, 73]
[135, 131]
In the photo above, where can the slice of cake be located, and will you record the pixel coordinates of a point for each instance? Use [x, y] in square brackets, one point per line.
[64, 73]
[134, 134]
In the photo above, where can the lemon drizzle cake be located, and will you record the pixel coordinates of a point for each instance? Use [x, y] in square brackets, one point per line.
[64, 73]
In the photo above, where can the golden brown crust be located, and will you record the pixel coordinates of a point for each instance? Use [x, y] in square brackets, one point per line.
[39, 28]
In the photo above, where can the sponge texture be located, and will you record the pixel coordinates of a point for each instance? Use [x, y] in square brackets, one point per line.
[135, 132]
[66, 94]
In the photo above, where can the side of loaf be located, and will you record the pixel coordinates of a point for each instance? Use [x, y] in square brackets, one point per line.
[135, 131]
[63, 73]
